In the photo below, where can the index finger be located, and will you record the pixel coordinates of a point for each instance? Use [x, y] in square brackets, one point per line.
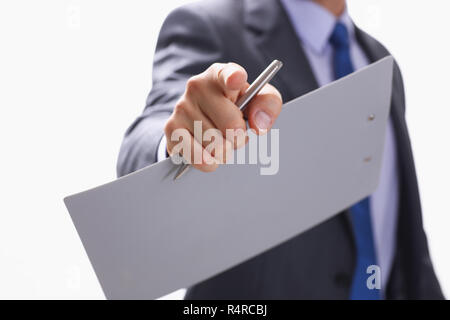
[231, 79]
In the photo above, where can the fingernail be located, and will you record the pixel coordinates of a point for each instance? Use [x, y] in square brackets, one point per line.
[262, 120]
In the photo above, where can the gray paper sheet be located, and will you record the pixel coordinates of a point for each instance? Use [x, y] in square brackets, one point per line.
[147, 235]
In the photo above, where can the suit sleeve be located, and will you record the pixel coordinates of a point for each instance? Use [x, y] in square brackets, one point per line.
[187, 45]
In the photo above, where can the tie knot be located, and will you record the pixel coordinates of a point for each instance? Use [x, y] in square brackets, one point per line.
[339, 38]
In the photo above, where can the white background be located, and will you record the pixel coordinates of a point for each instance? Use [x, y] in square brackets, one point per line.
[75, 73]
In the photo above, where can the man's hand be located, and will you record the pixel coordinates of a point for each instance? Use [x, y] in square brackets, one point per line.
[210, 97]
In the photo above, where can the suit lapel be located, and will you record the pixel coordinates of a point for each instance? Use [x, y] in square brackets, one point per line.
[273, 34]
[374, 52]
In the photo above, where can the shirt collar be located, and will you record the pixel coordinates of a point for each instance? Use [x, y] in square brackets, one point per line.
[314, 24]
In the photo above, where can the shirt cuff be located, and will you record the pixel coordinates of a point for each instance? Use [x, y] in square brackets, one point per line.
[162, 153]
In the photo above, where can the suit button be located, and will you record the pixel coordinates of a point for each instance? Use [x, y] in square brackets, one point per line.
[342, 279]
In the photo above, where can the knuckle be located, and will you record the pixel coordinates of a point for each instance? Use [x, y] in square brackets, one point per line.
[215, 66]
[237, 66]
[185, 110]
[170, 126]
[181, 108]
[215, 71]
[193, 84]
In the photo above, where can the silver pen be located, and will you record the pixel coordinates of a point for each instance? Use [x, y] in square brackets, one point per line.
[243, 101]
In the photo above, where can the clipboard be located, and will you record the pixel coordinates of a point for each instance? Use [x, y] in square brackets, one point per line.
[147, 235]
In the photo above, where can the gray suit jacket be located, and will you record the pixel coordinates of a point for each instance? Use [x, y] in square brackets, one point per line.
[318, 263]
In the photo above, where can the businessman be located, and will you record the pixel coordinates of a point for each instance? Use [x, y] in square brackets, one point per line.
[205, 55]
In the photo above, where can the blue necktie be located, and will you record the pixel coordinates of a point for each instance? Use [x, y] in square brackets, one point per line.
[360, 212]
